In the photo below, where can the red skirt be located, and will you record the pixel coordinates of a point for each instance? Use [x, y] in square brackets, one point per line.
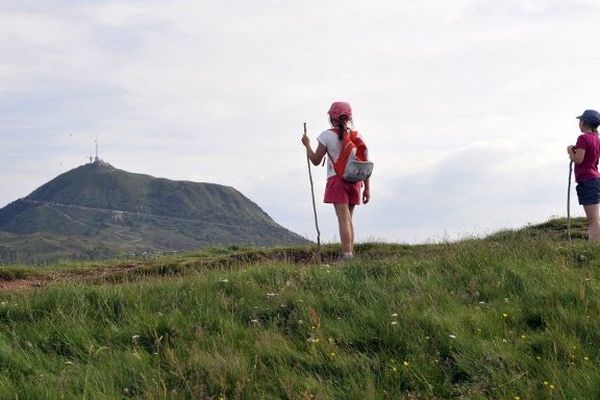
[338, 191]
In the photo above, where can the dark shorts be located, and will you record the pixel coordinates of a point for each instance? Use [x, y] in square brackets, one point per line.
[588, 192]
[338, 191]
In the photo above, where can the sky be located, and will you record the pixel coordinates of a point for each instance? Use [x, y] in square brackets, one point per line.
[467, 106]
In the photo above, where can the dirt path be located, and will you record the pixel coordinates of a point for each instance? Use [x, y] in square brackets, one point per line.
[132, 271]
[44, 278]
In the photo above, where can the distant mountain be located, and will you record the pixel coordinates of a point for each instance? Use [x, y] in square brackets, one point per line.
[98, 211]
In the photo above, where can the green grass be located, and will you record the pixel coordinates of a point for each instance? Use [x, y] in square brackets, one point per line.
[514, 315]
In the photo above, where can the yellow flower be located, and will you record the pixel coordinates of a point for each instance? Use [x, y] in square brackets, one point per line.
[545, 382]
[551, 386]
[517, 398]
[505, 315]
[406, 363]
[523, 337]
[586, 358]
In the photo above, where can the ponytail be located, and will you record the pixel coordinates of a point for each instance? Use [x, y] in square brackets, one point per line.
[342, 125]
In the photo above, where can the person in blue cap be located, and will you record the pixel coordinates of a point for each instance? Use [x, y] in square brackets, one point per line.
[585, 155]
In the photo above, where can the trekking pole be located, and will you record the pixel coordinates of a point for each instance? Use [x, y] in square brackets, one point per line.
[569, 203]
[312, 191]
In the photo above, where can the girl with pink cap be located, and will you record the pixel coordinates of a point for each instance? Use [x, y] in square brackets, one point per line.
[342, 194]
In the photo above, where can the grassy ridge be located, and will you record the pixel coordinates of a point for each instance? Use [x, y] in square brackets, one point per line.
[513, 316]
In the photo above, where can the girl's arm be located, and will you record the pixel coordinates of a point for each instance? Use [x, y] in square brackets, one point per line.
[576, 154]
[314, 156]
[367, 192]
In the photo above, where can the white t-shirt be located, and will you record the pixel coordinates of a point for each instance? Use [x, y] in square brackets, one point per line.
[330, 140]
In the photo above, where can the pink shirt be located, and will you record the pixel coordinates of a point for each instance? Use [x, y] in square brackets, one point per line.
[588, 169]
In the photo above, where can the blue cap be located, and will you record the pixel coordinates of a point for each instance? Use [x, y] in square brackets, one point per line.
[590, 117]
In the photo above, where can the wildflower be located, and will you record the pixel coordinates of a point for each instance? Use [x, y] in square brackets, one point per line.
[394, 322]
[551, 386]
[272, 294]
[254, 321]
[224, 280]
[517, 398]
[300, 322]
[538, 357]
[405, 363]
[586, 358]
[504, 341]
[506, 299]
[426, 337]
[394, 369]
[523, 337]
[135, 338]
[332, 354]
[68, 362]
[394, 315]
[452, 336]
[546, 383]
[481, 303]
[504, 315]
[313, 340]
[4, 303]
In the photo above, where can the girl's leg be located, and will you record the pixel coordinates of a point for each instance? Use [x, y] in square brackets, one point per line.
[344, 216]
[593, 218]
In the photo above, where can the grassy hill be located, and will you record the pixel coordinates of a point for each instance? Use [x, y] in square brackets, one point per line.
[513, 316]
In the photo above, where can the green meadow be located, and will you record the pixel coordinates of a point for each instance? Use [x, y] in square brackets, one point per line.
[512, 316]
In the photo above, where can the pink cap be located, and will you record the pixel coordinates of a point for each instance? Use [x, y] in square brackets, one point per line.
[338, 109]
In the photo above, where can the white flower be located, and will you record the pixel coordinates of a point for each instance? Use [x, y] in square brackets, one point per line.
[272, 294]
[394, 322]
[394, 315]
[224, 280]
[452, 336]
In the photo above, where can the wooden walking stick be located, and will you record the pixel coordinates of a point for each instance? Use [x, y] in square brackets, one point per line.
[569, 204]
[312, 191]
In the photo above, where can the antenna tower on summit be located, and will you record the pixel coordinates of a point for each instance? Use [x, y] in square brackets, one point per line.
[97, 158]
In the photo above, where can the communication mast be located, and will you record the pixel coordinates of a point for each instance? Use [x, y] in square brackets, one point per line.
[97, 158]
